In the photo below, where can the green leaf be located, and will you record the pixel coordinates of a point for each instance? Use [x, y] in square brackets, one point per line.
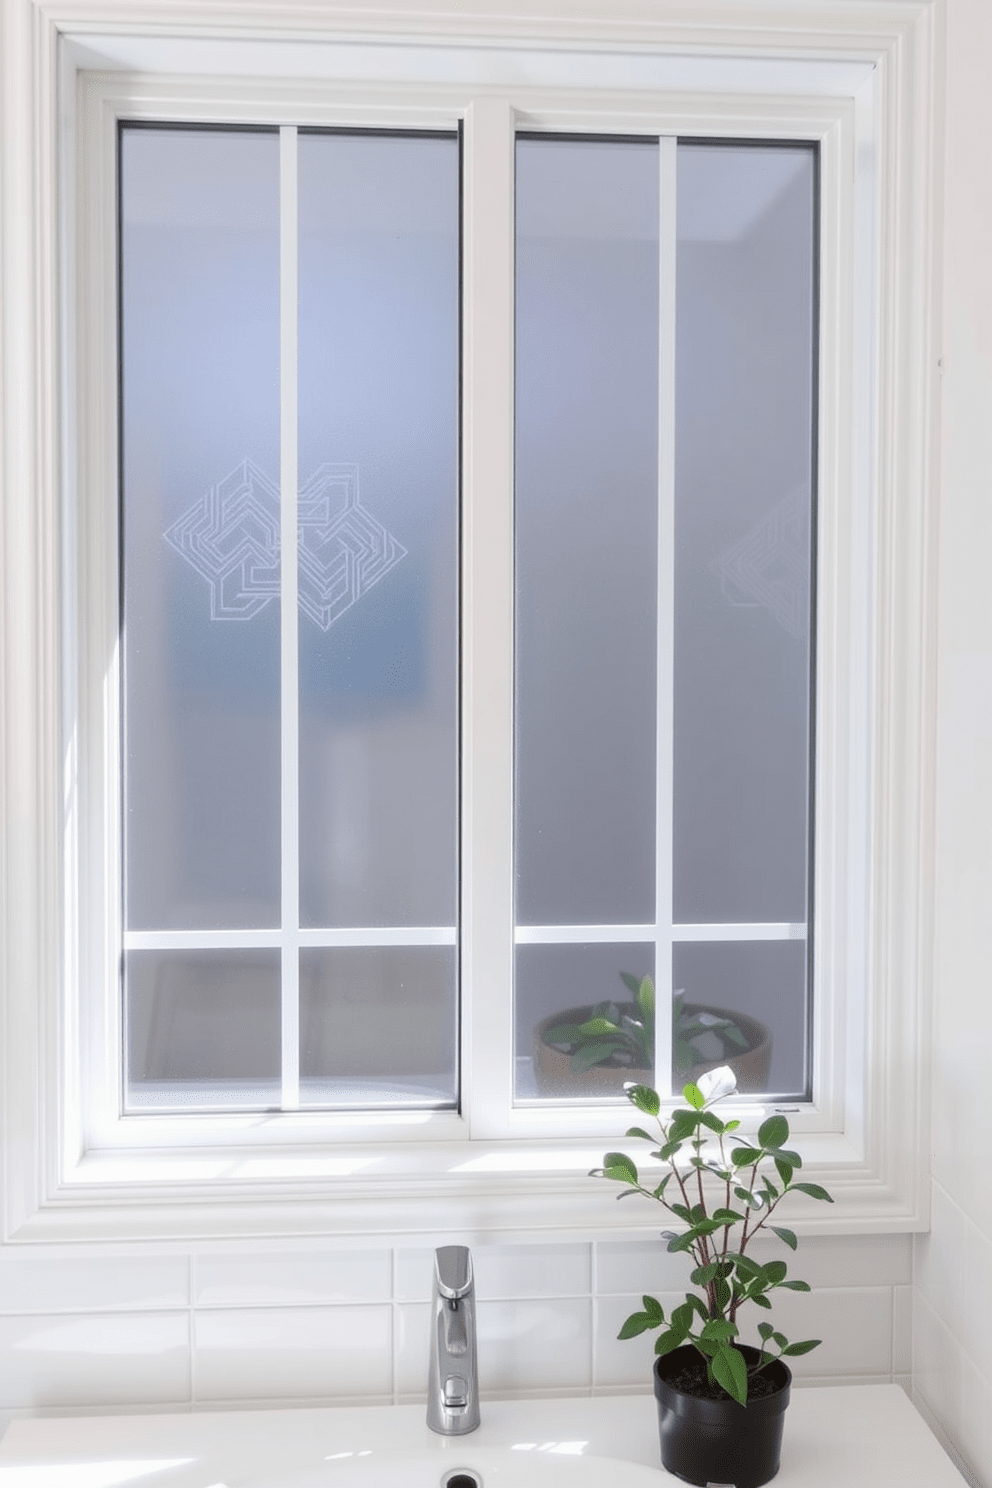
[684, 1055]
[669, 1150]
[773, 1132]
[762, 1301]
[682, 1318]
[697, 1304]
[632, 983]
[680, 1211]
[814, 1190]
[597, 1026]
[727, 1216]
[731, 1372]
[797, 1286]
[638, 1322]
[618, 1166]
[653, 1308]
[722, 1290]
[694, 1097]
[683, 1124]
[704, 1274]
[792, 1158]
[753, 1200]
[788, 1237]
[746, 1267]
[743, 1157]
[638, 1131]
[720, 1329]
[709, 1120]
[780, 1339]
[706, 1227]
[587, 1055]
[644, 1098]
[775, 1272]
[645, 997]
[766, 1330]
[681, 1242]
[731, 1126]
[802, 1348]
[668, 1341]
[784, 1171]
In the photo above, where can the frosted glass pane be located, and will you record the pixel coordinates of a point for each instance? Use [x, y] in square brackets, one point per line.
[765, 983]
[744, 494]
[586, 530]
[378, 428]
[202, 1028]
[200, 435]
[555, 984]
[378, 1026]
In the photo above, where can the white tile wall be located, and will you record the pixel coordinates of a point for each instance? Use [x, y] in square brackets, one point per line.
[293, 1353]
[94, 1359]
[951, 1330]
[306, 1324]
[952, 1394]
[292, 1279]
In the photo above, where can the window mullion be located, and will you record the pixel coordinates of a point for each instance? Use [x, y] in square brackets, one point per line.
[289, 619]
[487, 624]
[667, 148]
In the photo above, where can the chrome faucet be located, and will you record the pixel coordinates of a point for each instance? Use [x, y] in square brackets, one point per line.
[453, 1383]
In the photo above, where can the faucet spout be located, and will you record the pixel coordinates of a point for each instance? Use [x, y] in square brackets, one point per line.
[453, 1383]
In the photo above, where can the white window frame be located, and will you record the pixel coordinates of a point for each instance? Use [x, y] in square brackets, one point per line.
[862, 85]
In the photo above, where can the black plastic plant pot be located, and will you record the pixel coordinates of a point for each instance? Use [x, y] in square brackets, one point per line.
[718, 1441]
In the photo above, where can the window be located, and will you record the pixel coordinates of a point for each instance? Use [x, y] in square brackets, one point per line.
[520, 110]
[290, 769]
[289, 353]
[665, 395]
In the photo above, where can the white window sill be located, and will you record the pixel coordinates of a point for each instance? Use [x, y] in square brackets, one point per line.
[494, 1189]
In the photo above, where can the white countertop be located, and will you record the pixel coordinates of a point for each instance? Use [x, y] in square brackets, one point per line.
[866, 1436]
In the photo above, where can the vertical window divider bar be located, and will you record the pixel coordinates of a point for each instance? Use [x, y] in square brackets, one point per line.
[487, 617]
[289, 619]
[667, 162]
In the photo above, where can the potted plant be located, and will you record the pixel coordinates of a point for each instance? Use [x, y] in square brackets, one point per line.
[721, 1403]
[599, 1048]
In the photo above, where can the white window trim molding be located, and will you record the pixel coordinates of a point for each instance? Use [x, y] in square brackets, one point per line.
[874, 1161]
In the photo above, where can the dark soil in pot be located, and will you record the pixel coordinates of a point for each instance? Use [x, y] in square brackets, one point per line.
[706, 1437]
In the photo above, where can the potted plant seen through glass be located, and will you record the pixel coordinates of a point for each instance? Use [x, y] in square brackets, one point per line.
[597, 1048]
[721, 1403]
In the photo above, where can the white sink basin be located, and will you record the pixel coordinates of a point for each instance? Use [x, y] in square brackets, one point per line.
[460, 1465]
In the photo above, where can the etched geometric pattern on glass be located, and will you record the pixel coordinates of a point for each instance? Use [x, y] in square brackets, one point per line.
[769, 565]
[231, 538]
[343, 550]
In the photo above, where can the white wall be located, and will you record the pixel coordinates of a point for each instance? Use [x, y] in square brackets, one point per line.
[132, 1329]
[953, 1295]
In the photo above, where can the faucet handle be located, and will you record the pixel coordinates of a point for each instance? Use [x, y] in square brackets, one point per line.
[453, 1270]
